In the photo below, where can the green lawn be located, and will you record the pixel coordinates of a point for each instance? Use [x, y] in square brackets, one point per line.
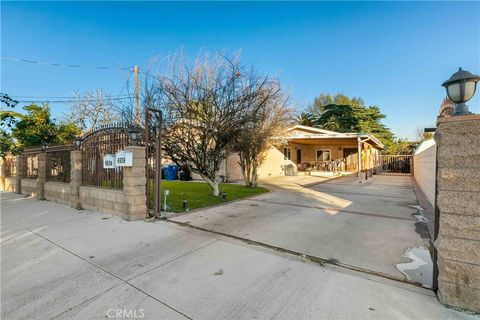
[198, 194]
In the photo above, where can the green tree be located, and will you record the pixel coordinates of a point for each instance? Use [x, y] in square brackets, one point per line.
[8, 119]
[323, 100]
[304, 119]
[37, 127]
[343, 114]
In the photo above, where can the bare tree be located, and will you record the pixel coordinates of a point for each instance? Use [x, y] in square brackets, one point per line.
[205, 107]
[271, 118]
[92, 109]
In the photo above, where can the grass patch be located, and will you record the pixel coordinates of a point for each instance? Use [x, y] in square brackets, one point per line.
[198, 194]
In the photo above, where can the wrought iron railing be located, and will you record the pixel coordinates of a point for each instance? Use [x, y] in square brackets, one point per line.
[10, 167]
[343, 164]
[58, 163]
[31, 166]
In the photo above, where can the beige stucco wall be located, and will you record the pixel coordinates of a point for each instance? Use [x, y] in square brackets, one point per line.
[57, 191]
[424, 166]
[29, 187]
[107, 200]
[274, 163]
[234, 170]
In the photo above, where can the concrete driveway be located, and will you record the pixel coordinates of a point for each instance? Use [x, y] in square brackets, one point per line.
[367, 225]
[60, 263]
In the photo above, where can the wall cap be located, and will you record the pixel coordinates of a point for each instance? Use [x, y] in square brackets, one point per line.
[466, 117]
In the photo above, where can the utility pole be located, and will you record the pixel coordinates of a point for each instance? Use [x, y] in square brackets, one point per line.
[137, 115]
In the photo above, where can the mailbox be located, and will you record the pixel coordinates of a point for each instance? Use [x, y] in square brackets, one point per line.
[123, 159]
[109, 161]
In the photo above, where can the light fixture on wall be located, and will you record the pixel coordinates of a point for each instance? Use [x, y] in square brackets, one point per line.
[78, 143]
[44, 147]
[133, 132]
[460, 88]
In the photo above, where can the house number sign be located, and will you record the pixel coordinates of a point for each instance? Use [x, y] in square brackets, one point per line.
[109, 161]
[123, 159]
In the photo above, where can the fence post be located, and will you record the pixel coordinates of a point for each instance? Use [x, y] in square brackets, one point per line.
[19, 168]
[42, 175]
[134, 180]
[457, 234]
[75, 178]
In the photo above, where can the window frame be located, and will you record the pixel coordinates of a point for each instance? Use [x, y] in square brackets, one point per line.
[323, 155]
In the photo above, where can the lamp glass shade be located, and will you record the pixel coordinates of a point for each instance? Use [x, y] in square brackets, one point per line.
[454, 92]
[469, 90]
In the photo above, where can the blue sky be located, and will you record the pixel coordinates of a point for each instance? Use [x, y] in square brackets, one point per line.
[392, 54]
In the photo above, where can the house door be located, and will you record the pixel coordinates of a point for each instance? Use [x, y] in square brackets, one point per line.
[299, 156]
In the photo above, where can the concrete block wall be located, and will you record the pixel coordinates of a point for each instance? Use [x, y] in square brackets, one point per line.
[58, 192]
[458, 205]
[29, 187]
[105, 200]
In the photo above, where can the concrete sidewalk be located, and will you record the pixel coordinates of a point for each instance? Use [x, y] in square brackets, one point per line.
[60, 263]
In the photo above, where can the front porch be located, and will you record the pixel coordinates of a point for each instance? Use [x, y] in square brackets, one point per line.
[317, 155]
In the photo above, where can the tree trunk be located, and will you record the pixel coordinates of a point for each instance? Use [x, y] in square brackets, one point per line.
[254, 174]
[213, 184]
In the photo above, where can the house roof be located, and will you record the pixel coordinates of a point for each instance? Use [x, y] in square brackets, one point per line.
[316, 133]
[311, 129]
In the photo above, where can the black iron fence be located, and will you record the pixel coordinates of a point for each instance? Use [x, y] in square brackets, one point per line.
[10, 167]
[30, 162]
[394, 165]
[58, 163]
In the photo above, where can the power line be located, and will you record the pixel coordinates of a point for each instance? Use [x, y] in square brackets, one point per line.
[65, 97]
[69, 101]
[67, 65]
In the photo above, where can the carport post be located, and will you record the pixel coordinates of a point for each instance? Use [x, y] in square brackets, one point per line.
[359, 166]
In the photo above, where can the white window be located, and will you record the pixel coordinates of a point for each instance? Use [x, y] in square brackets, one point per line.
[324, 155]
[287, 153]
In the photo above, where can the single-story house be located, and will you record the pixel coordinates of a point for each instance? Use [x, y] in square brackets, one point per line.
[305, 150]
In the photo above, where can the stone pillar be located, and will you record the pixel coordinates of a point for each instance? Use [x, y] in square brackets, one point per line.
[134, 180]
[75, 178]
[19, 168]
[2, 173]
[42, 175]
[458, 205]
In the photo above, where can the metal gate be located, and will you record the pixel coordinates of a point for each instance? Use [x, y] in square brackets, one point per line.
[103, 140]
[394, 165]
[153, 143]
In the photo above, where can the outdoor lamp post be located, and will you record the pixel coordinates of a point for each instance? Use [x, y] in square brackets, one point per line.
[78, 143]
[44, 147]
[133, 133]
[461, 88]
